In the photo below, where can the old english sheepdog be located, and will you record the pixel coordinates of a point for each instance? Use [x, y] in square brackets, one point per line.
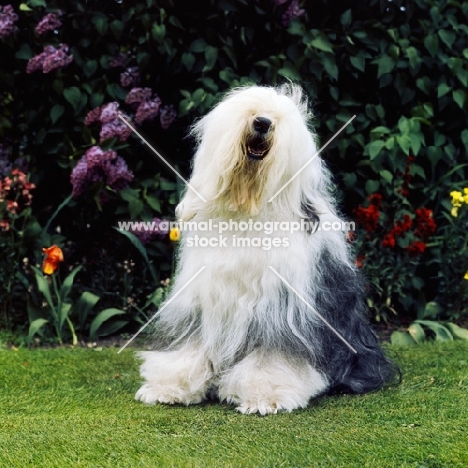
[262, 314]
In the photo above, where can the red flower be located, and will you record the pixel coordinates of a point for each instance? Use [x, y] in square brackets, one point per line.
[369, 217]
[389, 240]
[416, 248]
[53, 256]
[375, 199]
[425, 224]
[360, 260]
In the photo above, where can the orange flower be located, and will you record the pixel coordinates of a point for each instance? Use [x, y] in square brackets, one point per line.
[54, 256]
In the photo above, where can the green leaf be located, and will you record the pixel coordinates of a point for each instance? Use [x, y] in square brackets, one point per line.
[116, 92]
[374, 148]
[386, 175]
[462, 75]
[154, 203]
[68, 284]
[56, 111]
[404, 143]
[289, 71]
[402, 339]
[413, 57]
[431, 42]
[43, 286]
[38, 3]
[158, 31]
[464, 137]
[84, 305]
[198, 45]
[424, 84]
[372, 186]
[321, 43]
[35, 326]
[441, 332]
[100, 318]
[346, 18]
[385, 65]
[90, 67]
[211, 55]
[358, 62]
[447, 37]
[100, 22]
[117, 28]
[73, 96]
[24, 52]
[135, 242]
[417, 332]
[111, 326]
[350, 179]
[459, 96]
[135, 207]
[458, 332]
[167, 185]
[188, 60]
[415, 143]
[443, 89]
[129, 194]
[330, 67]
[63, 313]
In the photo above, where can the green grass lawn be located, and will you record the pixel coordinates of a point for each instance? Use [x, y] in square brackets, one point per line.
[75, 408]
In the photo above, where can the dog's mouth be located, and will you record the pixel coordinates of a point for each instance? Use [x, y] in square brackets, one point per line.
[257, 149]
[258, 144]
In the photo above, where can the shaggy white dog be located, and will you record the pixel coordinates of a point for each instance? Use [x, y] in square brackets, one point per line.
[242, 322]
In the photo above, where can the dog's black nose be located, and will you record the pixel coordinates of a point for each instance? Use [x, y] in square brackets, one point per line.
[262, 124]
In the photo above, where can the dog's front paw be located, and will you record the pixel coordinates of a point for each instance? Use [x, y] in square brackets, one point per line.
[261, 407]
[151, 394]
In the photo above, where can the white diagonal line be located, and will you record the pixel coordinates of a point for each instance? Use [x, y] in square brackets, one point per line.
[311, 159]
[121, 117]
[313, 310]
[161, 309]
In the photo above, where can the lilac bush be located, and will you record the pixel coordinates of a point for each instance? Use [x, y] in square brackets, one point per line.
[8, 18]
[99, 166]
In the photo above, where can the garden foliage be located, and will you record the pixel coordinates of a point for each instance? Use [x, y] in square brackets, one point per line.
[68, 68]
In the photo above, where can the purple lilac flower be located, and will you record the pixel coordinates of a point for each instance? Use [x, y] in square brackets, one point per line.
[130, 77]
[98, 165]
[93, 116]
[279, 2]
[50, 59]
[37, 62]
[138, 95]
[159, 232]
[112, 125]
[50, 22]
[109, 112]
[8, 18]
[148, 110]
[292, 12]
[115, 129]
[167, 115]
[119, 60]
[58, 59]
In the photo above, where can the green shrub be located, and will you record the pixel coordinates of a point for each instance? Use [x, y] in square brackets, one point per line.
[401, 68]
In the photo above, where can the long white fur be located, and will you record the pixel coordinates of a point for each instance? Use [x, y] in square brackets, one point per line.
[218, 307]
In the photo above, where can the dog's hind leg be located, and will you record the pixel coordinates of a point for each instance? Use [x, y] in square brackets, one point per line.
[267, 383]
[180, 376]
